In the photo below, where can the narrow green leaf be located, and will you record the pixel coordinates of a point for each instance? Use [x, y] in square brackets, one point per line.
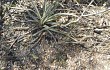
[37, 11]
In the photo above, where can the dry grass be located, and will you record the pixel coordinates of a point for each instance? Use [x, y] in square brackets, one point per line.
[85, 46]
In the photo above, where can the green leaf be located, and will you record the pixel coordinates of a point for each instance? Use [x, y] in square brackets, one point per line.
[37, 11]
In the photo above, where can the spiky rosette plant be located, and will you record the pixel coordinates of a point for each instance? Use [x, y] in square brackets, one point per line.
[45, 18]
